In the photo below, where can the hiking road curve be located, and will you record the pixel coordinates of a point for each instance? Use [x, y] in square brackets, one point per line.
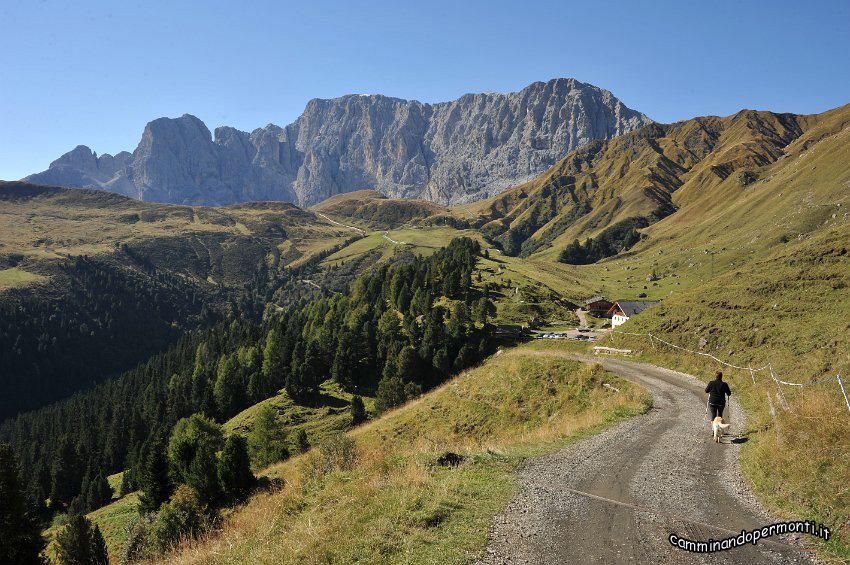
[616, 497]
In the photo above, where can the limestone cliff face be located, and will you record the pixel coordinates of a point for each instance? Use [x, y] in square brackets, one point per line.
[450, 152]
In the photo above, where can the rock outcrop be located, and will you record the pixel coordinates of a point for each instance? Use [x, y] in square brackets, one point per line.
[449, 152]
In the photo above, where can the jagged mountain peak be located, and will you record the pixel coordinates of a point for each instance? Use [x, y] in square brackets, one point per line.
[447, 152]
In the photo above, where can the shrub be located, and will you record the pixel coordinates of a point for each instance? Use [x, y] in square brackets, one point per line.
[300, 442]
[339, 453]
[136, 544]
[358, 411]
[180, 517]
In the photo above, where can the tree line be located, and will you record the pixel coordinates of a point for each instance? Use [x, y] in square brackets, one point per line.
[611, 241]
[93, 321]
[396, 332]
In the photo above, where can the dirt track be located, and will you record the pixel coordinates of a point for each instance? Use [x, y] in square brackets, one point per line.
[617, 496]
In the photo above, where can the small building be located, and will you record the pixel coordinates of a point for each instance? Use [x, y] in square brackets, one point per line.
[508, 330]
[622, 310]
[597, 305]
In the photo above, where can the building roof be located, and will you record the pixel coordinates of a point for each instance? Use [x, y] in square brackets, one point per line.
[630, 307]
[593, 299]
[508, 329]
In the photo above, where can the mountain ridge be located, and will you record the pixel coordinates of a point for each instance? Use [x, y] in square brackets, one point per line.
[446, 152]
[647, 173]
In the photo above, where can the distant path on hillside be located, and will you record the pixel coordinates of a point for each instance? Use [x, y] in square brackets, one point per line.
[617, 496]
[339, 224]
[391, 240]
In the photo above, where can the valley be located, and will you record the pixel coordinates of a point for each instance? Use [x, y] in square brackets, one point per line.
[739, 226]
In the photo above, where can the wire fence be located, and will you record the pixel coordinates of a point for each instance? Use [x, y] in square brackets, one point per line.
[752, 370]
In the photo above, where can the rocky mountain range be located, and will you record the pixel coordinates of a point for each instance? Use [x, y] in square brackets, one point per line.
[449, 152]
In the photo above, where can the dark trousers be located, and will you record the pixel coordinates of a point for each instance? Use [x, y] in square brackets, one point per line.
[716, 410]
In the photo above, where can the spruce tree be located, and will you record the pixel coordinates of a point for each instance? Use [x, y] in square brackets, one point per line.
[20, 540]
[99, 493]
[154, 478]
[64, 477]
[202, 475]
[98, 548]
[234, 468]
[80, 543]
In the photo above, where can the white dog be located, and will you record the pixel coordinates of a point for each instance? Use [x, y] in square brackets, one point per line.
[718, 427]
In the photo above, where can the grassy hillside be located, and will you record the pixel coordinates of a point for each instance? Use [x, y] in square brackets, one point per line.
[221, 245]
[329, 416]
[391, 500]
[697, 167]
[373, 210]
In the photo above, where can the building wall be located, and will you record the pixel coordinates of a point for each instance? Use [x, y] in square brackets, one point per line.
[618, 320]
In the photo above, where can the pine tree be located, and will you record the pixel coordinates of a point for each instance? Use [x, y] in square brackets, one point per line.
[99, 493]
[228, 388]
[408, 364]
[342, 368]
[154, 479]
[188, 437]
[98, 548]
[80, 544]
[483, 310]
[234, 468]
[20, 541]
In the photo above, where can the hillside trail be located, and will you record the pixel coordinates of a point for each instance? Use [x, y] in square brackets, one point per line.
[363, 232]
[617, 496]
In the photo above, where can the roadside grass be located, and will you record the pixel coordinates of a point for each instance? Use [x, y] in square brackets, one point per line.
[391, 500]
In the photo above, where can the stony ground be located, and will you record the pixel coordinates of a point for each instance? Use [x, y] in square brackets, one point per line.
[617, 496]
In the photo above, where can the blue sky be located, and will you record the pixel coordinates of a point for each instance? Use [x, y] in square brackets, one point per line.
[95, 73]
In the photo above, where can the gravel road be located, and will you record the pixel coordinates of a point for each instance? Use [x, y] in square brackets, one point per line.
[617, 496]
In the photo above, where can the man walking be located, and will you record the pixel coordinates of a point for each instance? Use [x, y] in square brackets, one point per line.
[717, 392]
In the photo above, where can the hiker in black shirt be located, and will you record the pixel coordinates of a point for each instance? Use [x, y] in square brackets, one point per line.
[717, 391]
